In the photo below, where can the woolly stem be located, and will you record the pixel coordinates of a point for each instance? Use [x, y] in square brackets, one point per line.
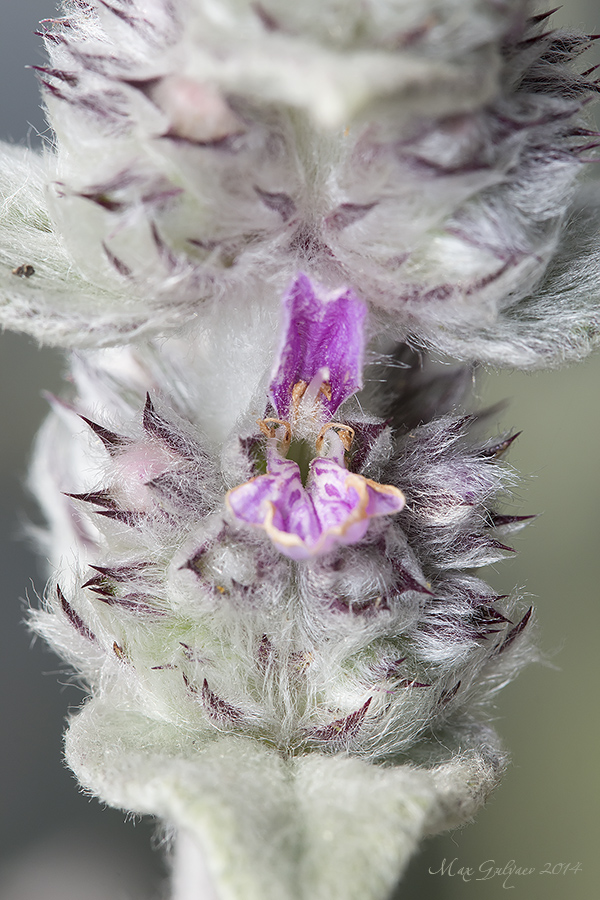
[191, 879]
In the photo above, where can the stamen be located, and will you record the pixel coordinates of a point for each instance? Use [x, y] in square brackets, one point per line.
[302, 389]
[326, 390]
[298, 392]
[269, 429]
[344, 432]
[318, 384]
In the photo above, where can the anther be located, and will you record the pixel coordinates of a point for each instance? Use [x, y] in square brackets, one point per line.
[344, 432]
[268, 427]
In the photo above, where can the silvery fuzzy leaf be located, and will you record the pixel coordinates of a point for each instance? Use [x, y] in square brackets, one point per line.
[272, 827]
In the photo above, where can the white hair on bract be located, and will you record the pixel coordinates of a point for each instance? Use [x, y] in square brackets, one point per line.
[426, 154]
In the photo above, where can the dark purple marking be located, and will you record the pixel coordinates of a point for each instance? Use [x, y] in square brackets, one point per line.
[366, 608]
[365, 435]
[586, 131]
[159, 428]
[98, 498]
[494, 276]
[265, 653]
[485, 614]
[341, 729]
[96, 63]
[145, 85]
[129, 517]
[390, 667]
[104, 201]
[499, 521]
[124, 178]
[498, 449]
[102, 588]
[528, 42]
[54, 90]
[180, 490]
[165, 252]
[135, 603]
[541, 17]
[278, 202]
[269, 21]
[308, 245]
[191, 655]
[60, 74]
[121, 267]
[75, 620]
[122, 573]
[63, 22]
[457, 426]
[416, 294]
[475, 241]
[209, 246]
[251, 446]
[121, 14]
[391, 672]
[347, 214]
[219, 709]
[50, 36]
[194, 562]
[478, 596]
[191, 687]
[516, 631]
[405, 582]
[447, 696]
[113, 442]
[498, 545]
[99, 105]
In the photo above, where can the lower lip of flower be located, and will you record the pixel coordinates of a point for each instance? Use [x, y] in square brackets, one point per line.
[334, 508]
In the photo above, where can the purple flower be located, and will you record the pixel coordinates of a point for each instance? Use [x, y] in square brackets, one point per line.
[319, 366]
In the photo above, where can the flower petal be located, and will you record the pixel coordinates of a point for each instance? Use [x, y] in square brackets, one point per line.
[322, 331]
[302, 522]
[344, 503]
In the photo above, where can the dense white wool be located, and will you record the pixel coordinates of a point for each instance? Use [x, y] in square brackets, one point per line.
[188, 171]
[194, 620]
[241, 695]
[310, 827]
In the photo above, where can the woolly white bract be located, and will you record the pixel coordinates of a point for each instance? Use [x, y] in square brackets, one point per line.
[423, 153]
[265, 521]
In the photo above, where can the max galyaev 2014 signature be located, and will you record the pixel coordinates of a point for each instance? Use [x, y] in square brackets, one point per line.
[507, 873]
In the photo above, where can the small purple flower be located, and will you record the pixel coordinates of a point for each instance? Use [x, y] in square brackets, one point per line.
[319, 366]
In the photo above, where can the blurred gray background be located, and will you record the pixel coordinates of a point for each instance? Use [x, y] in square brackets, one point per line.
[55, 843]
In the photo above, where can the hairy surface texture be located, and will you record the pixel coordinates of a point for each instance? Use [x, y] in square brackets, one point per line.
[211, 658]
[266, 519]
[426, 155]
